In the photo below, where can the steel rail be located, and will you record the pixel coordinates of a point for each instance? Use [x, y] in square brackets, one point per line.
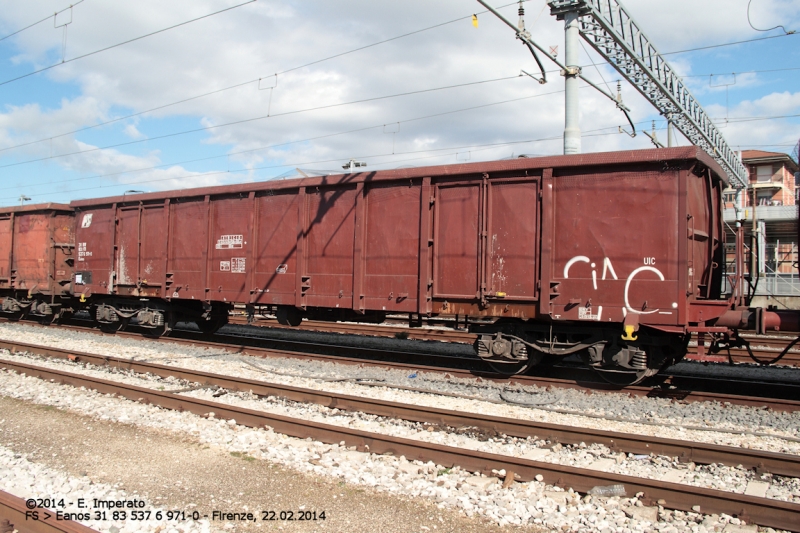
[15, 516]
[739, 355]
[582, 382]
[374, 330]
[762, 511]
[701, 453]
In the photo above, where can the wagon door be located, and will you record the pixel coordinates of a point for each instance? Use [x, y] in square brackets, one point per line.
[32, 237]
[6, 240]
[188, 244]
[329, 247]
[511, 266]
[94, 250]
[456, 258]
[127, 252]
[231, 228]
[486, 237]
[276, 247]
[153, 250]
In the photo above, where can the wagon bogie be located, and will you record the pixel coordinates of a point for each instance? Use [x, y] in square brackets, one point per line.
[155, 316]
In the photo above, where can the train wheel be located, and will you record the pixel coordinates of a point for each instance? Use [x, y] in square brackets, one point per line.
[210, 327]
[113, 327]
[625, 378]
[163, 330]
[13, 317]
[511, 369]
[64, 317]
[288, 316]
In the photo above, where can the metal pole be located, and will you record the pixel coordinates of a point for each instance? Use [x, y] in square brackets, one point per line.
[754, 242]
[572, 129]
[669, 134]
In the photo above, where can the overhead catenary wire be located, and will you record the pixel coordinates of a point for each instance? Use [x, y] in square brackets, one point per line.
[43, 69]
[283, 144]
[262, 117]
[48, 17]
[305, 140]
[709, 47]
[466, 17]
[337, 55]
[237, 85]
[26, 27]
[741, 72]
[452, 151]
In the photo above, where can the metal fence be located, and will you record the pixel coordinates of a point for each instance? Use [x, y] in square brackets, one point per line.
[767, 213]
[778, 266]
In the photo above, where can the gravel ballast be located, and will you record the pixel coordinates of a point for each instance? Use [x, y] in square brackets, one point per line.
[69, 455]
[522, 503]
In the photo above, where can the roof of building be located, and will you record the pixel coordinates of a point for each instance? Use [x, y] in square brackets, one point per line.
[760, 156]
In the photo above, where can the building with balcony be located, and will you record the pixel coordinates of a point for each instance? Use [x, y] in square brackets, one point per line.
[771, 199]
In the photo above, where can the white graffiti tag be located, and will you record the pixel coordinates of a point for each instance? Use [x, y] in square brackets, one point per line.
[583, 259]
[628, 284]
[608, 268]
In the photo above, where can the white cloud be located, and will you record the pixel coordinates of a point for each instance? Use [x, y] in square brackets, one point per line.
[132, 132]
[269, 36]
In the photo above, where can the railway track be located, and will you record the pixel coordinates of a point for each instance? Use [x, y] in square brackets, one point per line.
[396, 330]
[762, 511]
[775, 463]
[16, 516]
[777, 396]
[764, 347]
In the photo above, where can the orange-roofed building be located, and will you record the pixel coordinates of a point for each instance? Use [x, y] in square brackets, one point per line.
[771, 175]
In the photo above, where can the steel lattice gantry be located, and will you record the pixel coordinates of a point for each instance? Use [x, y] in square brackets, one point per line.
[610, 30]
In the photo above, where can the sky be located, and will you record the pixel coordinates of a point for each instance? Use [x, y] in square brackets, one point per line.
[117, 97]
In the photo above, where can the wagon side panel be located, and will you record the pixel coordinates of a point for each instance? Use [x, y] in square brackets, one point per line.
[704, 239]
[95, 230]
[126, 261]
[153, 249]
[391, 254]
[32, 251]
[513, 239]
[231, 229]
[623, 257]
[64, 253]
[329, 246]
[456, 260]
[276, 248]
[6, 242]
[187, 249]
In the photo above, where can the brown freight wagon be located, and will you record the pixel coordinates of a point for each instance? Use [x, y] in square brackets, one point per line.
[613, 256]
[36, 257]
